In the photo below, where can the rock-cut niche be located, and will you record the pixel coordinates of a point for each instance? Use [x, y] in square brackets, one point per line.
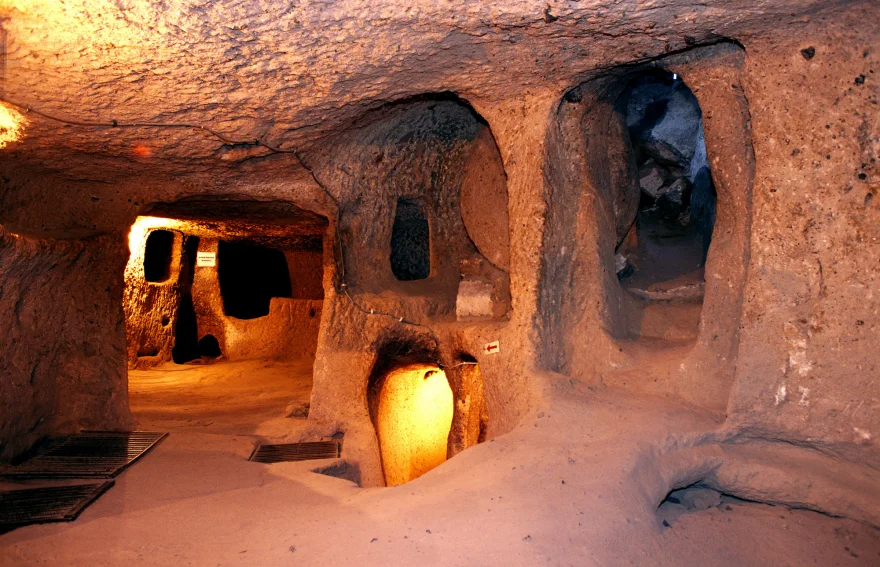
[410, 241]
[663, 254]
[158, 256]
[429, 207]
[250, 276]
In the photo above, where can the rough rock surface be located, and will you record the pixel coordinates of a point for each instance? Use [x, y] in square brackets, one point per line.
[651, 179]
[790, 313]
[810, 312]
[673, 139]
[63, 363]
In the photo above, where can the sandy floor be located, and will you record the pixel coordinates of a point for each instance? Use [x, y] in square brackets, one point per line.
[566, 488]
[241, 398]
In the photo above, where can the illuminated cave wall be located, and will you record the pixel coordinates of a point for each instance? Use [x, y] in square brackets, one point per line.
[413, 416]
[62, 367]
[437, 152]
[153, 309]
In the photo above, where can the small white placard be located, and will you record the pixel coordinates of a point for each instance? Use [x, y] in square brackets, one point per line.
[492, 348]
[206, 259]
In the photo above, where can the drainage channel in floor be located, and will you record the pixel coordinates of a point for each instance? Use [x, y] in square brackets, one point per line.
[307, 451]
[47, 504]
[90, 454]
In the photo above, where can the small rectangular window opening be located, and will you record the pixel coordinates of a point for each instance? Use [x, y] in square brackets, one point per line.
[410, 242]
[158, 255]
[250, 276]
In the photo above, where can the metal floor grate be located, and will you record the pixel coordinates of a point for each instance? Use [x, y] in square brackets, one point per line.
[296, 452]
[91, 454]
[49, 504]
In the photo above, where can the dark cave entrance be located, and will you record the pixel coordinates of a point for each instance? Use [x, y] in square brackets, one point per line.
[250, 276]
[209, 347]
[633, 209]
[663, 254]
[646, 240]
[237, 317]
[186, 332]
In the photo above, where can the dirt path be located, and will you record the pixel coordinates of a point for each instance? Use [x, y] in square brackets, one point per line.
[566, 488]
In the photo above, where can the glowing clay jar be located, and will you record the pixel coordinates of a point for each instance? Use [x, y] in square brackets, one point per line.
[414, 418]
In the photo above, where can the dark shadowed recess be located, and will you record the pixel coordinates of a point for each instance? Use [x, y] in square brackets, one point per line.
[157, 256]
[676, 212]
[209, 347]
[410, 242]
[250, 276]
[186, 333]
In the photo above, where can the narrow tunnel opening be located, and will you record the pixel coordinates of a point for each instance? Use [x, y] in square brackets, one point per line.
[186, 332]
[663, 254]
[410, 241]
[209, 347]
[158, 255]
[240, 320]
[250, 276]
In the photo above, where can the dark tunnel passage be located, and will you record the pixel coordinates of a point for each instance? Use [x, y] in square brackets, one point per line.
[250, 276]
[672, 230]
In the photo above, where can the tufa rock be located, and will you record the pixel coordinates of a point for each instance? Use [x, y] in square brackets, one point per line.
[299, 410]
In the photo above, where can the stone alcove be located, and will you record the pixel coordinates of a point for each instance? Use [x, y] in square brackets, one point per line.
[592, 325]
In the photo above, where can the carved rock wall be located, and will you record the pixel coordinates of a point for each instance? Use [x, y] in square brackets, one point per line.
[789, 324]
[63, 360]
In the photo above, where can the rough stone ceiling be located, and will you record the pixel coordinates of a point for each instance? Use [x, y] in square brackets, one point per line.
[267, 223]
[229, 210]
[291, 72]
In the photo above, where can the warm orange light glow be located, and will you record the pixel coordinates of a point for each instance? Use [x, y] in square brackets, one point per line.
[413, 422]
[12, 124]
[141, 151]
[137, 238]
[22, 5]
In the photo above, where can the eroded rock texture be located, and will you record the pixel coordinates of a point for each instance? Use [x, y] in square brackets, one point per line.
[259, 295]
[501, 120]
[63, 363]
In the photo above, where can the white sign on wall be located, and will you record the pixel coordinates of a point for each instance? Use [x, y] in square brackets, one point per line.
[206, 259]
[493, 348]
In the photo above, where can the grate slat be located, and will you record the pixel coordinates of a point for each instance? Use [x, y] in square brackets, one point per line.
[306, 451]
[90, 454]
[48, 504]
